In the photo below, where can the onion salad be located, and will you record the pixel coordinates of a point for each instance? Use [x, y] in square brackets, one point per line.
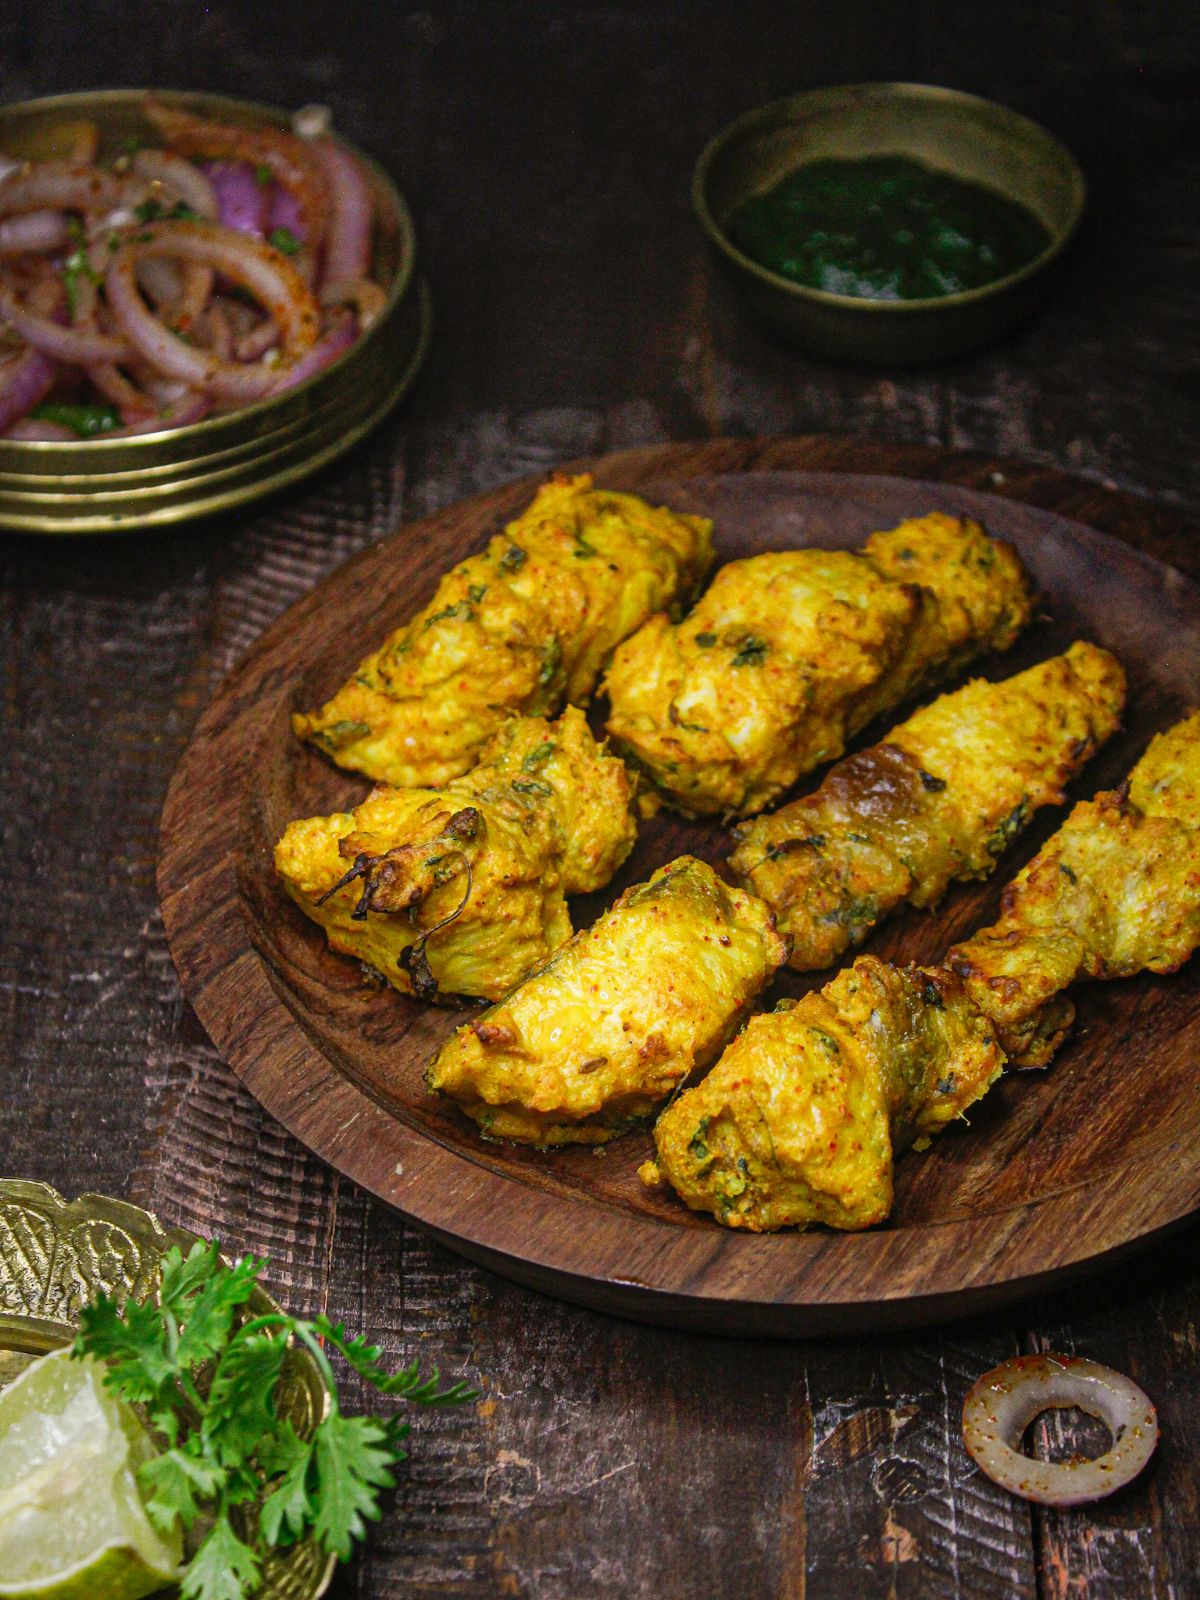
[179, 281]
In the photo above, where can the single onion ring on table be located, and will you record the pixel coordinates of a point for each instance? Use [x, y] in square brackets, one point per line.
[1001, 1405]
[255, 266]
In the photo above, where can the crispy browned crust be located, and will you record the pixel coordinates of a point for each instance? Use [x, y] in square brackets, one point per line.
[938, 801]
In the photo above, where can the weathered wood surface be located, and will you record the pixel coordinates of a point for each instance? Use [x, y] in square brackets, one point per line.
[546, 148]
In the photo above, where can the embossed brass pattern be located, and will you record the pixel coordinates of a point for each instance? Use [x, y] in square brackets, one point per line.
[55, 1256]
[108, 486]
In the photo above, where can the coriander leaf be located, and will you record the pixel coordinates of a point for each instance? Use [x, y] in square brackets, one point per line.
[288, 1509]
[183, 1277]
[241, 1396]
[84, 420]
[131, 1341]
[175, 1484]
[208, 1315]
[751, 652]
[284, 240]
[352, 1456]
[364, 1358]
[537, 758]
[224, 1567]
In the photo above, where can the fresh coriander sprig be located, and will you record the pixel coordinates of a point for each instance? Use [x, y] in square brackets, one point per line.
[206, 1375]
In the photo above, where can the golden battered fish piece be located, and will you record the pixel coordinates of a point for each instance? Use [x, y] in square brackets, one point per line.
[524, 627]
[461, 890]
[614, 1023]
[801, 1119]
[788, 655]
[937, 802]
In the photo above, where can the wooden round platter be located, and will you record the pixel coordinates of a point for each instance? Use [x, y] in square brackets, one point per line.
[1056, 1173]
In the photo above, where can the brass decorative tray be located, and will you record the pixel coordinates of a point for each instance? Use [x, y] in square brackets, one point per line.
[57, 1255]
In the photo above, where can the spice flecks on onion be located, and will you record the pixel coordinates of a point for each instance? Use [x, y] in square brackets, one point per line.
[1001, 1405]
[231, 264]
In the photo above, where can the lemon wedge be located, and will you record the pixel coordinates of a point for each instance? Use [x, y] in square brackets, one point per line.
[72, 1524]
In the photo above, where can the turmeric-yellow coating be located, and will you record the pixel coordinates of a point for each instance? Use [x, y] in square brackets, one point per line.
[524, 627]
[937, 801]
[623, 1015]
[461, 890]
[789, 654]
[802, 1117]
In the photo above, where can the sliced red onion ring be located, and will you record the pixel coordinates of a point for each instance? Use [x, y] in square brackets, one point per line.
[351, 208]
[38, 432]
[112, 383]
[57, 186]
[160, 280]
[256, 266]
[214, 332]
[1002, 1404]
[364, 294]
[25, 380]
[190, 407]
[182, 177]
[323, 354]
[35, 230]
[243, 203]
[83, 347]
[285, 213]
[291, 161]
[254, 345]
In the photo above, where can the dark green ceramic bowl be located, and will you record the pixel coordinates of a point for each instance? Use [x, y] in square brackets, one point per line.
[958, 133]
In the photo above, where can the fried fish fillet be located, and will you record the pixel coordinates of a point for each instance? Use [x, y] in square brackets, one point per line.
[524, 627]
[801, 1119]
[614, 1023]
[788, 655]
[461, 890]
[937, 801]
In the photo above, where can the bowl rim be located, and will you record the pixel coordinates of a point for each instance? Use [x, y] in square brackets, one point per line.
[94, 99]
[784, 109]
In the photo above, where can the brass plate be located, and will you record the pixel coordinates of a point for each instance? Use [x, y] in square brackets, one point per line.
[959, 133]
[55, 1256]
[110, 485]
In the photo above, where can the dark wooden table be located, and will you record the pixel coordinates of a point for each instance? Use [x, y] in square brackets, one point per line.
[546, 148]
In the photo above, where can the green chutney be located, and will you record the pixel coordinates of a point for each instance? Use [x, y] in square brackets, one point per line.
[886, 228]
